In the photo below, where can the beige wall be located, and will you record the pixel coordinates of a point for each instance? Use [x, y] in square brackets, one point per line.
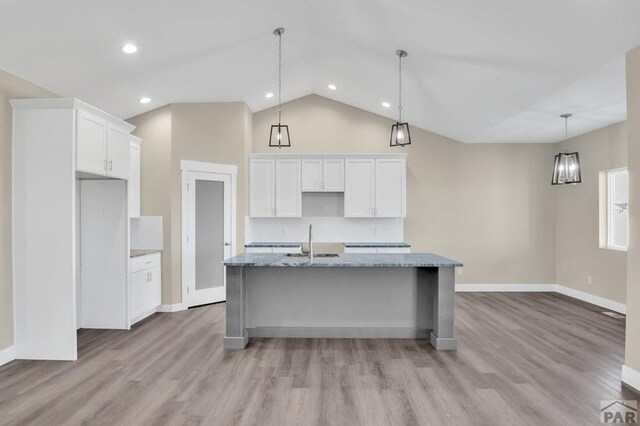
[213, 133]
[490, 206]
[209, 132]
[632, 359]
[154, 128]
[11, 87]
[577, 218]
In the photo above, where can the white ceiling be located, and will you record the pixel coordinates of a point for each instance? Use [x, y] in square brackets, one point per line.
[477, 71]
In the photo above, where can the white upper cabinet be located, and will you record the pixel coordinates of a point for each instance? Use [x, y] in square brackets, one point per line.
[91, 146]
[288, 188]
[359, 194]
[374, 185]
[102, 144]
[312, 175]
[134, 176]
[333, 174]
[118, 149]
[390, 188]
[323, 175]
[262, 188]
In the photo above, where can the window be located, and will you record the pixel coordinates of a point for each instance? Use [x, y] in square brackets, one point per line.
[615, 201]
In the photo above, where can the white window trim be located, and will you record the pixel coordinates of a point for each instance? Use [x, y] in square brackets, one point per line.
[610, 210]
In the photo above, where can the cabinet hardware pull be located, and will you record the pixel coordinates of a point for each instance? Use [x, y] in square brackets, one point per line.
[151, 261]
[110, 165]
[105, 165]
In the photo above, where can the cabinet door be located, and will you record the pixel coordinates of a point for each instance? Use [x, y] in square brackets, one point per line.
[390, 188]
[139, 293]
[134, 179]
[155, 288]
[359, 188]
[312, 175]
[262, 188]
[288, 190]
[118, 149]
[91, 143]
[333, 175]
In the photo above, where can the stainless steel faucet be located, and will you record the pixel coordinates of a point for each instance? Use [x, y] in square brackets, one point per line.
[310, 243]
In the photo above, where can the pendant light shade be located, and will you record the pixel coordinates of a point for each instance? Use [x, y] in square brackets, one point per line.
[566, 167]
[279, 135]
[400, 131]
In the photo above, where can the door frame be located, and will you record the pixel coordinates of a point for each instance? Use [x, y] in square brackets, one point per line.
[187, 166]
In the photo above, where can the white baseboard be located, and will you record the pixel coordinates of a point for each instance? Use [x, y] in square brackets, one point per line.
[593, 299]
[505, 287]
[631, 378]
[576, 294]
[171, 308]
[7, 355]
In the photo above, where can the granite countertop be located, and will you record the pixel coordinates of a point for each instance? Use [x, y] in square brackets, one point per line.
[271, 244]
[344, 260]
[138, 253]
[394, 245]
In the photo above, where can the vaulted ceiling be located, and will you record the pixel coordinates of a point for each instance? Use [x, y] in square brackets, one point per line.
[477, 71]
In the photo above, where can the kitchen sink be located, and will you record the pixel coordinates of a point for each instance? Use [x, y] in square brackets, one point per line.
[315, 255]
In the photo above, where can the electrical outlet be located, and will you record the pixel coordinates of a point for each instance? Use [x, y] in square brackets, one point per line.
[459, 271]
[589, 279]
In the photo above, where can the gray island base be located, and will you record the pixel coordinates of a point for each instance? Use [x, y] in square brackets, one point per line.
[349, 296]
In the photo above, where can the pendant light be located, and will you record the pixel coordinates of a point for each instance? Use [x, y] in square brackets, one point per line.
[400, 131]
[566, 168]
[279, 135]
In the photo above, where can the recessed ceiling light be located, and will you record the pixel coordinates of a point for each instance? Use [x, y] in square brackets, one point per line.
[386, 104]
[332, 86]
[129, 48]
[145, 100]
[269, 95]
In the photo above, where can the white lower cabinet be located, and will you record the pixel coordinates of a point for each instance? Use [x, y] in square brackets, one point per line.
[377, 250]
[297, 249]
[146, 286]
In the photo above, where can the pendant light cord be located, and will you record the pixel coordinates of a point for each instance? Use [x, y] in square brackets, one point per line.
[399, 88]
[279, 78]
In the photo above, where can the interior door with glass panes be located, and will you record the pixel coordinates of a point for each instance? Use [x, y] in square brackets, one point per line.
[208, 236]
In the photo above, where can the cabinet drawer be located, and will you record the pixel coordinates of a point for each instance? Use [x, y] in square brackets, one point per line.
[145, 262]
[394, 250]
[360, 250]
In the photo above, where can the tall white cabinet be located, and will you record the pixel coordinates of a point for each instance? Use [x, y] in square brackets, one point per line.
[56, 142]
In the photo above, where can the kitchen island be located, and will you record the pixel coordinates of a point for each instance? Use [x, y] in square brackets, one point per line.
[345, 296]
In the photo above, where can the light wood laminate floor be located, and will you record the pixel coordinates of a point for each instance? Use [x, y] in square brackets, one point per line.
[523, 358]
